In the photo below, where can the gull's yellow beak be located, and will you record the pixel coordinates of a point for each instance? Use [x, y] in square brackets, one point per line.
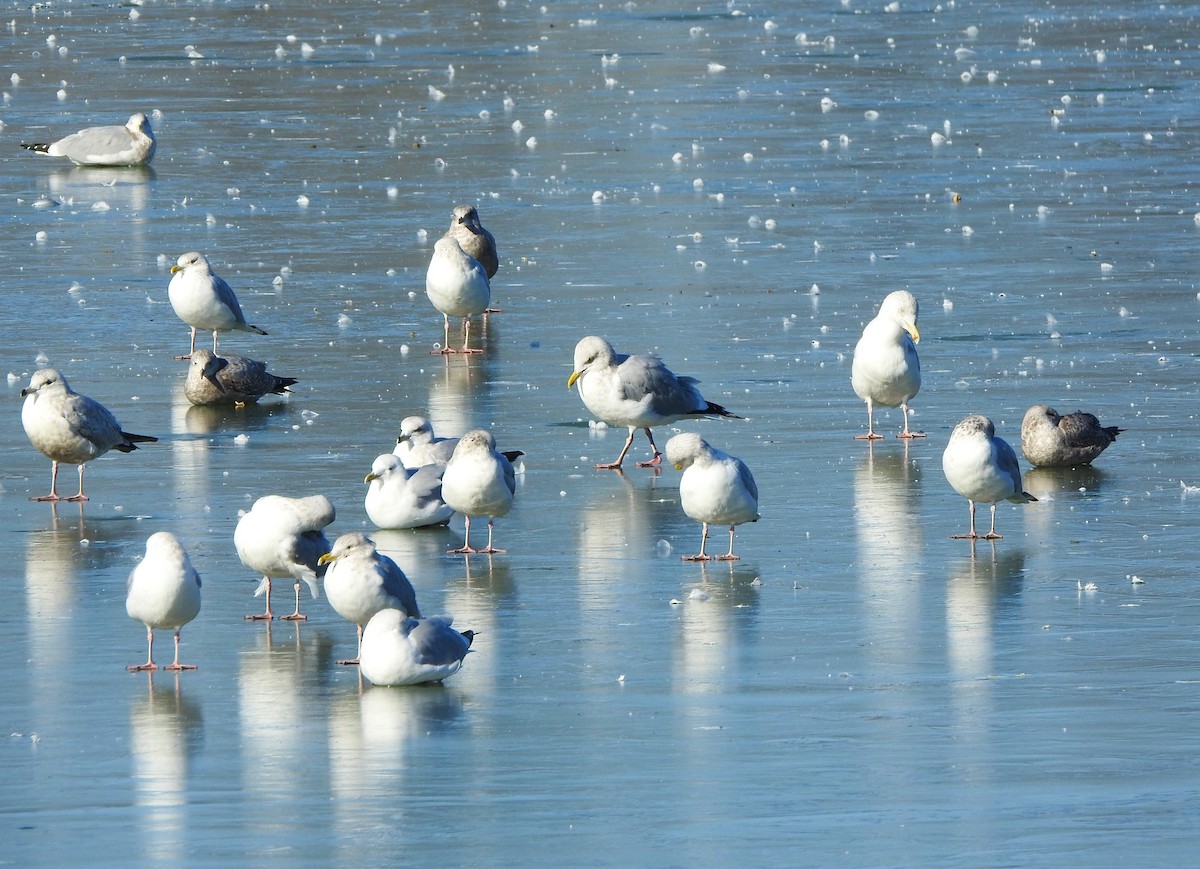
[326, 558]
[679, 466]
[176, 269]
[911, 328]
[369, 477]
[575, 375]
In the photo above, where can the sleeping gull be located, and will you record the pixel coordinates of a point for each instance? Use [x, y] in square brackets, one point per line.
[130, 145]
[635, 391]
[886, 370]
[281, 537]
[1052, 441]
[478, 481]
[457, 286]
[360, 582]
[400, 497]
[204, 300]
[163, 592]
[401, 650]
[715, 488]
[213, 379]
[416, 445]
[982, 467]
[65, 426]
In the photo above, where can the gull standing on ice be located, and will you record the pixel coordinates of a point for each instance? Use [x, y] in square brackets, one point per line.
[982, 467]
[360, 582]
[886, 370]
[400, 650]
[716, 488]
[400, 497]
[475, 241]
[416, 445]
[478, 481]
[637, 392]
[65, 426]
[163, 592]
[213, 379]
[1049, 440]
[457, 285]
[203, 299]
[281, 537]
[130, 145]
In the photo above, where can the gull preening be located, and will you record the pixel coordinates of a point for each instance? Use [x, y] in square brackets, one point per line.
[457, 285]
[115, 145]
[636, 392]
[982, 468]
[417, 446]
[479, 481]
[400, 497]
[715, 489]
[360, 581]
[280, 538]
[65, 426]
[886, 370]
[163, 592]
[213, 379]
[1050, 440]
[203, 300]
[397, 649]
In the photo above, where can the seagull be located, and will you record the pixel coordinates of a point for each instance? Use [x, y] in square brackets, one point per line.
[130, 145]
[478, 481]
[65, 426]
[1049, 440]
[886, 370]
[637, 392]
[982, 467]
[417, 446]
[281, 537]
[475, 241]
[401, 497]
[213, 379]
[360, 582]
[203, 300]
[402, 650]
[716, 488]
[163, 592]
[457, 285]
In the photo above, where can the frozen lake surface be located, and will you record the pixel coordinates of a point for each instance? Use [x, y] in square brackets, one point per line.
[735, 187]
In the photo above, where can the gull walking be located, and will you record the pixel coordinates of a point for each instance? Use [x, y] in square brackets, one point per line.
[213, 379]
[457, 285]
[401, 650]
[886, 370]
[637, 392]
[130, 145]
[281, 537]
[65, 426]
[203, 300]
[1049, 440]
[716, 488]
[416, 445]
[359, 582]
[163, 592]
[982, 468]
[478, 481]
[400, 497]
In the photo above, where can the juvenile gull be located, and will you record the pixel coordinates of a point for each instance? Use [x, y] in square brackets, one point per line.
[360, 582]
[416, 445]
[401, 650]
[886, 370]
[478, 481]
[715, 488]
[213, 379]
[163, 592]
[130, 145]
[65, 426]
[1052, 441]
[982, 467]
[457, 285]
[475, 241]
[635, 391]
[281, 537]
[400, 497]
[203, 299]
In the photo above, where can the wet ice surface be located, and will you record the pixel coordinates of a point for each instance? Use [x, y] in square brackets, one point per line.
[735, 188]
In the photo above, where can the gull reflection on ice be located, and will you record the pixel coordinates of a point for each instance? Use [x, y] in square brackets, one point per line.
[714, 619]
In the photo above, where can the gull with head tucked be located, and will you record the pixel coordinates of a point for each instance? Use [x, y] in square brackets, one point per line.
[402, 650]
[282, 537]
[716, 488]
[1050, 440]
[213, 379]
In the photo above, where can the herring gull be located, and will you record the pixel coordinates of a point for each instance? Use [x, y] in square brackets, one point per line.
[400, 497]
[401, 650]
[479, 481]
[716, 488]
[416, 445]
[475, 241]
[281, 537]
[163, 592]
[982, 468]
[213, 379]
[457, 285]
[886, 370]
[1049, 440]
[130, 145]
[203, 300]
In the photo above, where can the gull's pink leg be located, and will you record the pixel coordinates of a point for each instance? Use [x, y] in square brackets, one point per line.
[53, 496]
[972, 535]
[491, 550]
[149, 665]
[178, 666]
[906, 433]
[703, 541]
[359, 652]
[466, 337]
[657, 460]
[266, 615]
[992, 535]
[729, 556]
[466, 547]
[296, 616]
[445, 351]
[78, 496]
[870, 435]
[616, 466]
